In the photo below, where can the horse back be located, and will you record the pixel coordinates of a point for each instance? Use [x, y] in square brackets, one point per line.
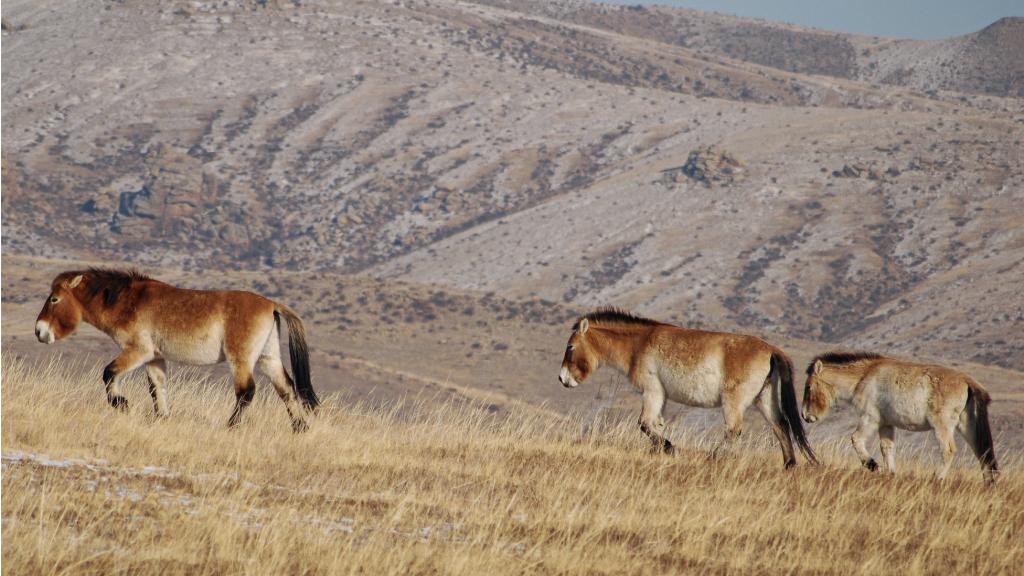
[170, 302]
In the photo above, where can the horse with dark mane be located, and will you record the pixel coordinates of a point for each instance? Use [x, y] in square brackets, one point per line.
[692, 367]
[153, 322]
[890, 394]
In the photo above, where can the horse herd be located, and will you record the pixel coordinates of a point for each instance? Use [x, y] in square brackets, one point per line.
[153, 322]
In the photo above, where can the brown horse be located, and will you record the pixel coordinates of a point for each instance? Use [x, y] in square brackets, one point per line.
[692, 367]
[154, 322]
[890, 394]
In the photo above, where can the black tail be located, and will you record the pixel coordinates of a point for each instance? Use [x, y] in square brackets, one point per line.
[982, 430]
[299, 353]
[790, 409]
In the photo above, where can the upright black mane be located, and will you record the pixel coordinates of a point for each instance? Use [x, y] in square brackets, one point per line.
[841, 358]
[109, 282]
[609, 315]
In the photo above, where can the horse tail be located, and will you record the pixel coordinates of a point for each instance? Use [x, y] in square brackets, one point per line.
[298, 351]
[983, 445]
[790, 410]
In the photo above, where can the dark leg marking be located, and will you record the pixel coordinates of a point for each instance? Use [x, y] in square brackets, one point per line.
[119, 402]
[243, 399]
[658, 444]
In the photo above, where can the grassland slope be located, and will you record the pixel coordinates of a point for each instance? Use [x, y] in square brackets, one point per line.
[453, 489]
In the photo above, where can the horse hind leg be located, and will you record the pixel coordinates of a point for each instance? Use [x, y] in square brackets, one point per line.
[735, 401]
[947, 443]
[274, 369]
[245, 389]
[770, 410]
[967, 426]
[733, 414]
[156, 371]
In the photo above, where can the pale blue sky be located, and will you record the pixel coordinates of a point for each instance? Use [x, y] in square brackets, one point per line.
[893, 18]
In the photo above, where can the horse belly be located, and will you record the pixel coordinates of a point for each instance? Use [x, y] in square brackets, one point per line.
[700, 386]
[906, 409]
[204, 348]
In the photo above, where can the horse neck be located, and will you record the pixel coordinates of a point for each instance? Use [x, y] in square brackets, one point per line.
[845, 377]
[94, 312]
[617, 345]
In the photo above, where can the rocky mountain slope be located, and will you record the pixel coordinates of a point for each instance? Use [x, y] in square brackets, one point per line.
[987, 61]
[537, 151]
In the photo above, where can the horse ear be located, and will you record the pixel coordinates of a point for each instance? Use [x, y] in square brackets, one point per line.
[817, 366]
[584, 324]
[74, 282]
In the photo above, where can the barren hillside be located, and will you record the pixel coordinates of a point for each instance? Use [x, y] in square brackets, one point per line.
[984, 62]
[537, 153]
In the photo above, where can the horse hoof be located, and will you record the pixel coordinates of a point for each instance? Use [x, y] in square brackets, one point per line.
[871, 465]
[790, 464]
[299, 426]
[119, 402]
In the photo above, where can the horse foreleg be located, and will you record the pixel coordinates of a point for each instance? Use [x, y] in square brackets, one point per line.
[130, 359]
[652, 419]
[887, 443]
[859, 440]
[156, 371]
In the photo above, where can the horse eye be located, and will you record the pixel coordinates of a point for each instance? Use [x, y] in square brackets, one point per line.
[54, 300]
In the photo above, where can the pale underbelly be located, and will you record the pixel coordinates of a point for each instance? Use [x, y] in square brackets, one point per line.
[197, 353]
[906, 413]
[693, 389]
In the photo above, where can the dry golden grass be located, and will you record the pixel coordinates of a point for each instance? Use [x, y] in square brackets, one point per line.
[442, 488]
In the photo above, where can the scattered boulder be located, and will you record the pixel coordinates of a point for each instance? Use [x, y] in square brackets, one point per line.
[859, 170]
[850, 171]
[920, 163]
[707, 165]
[7, 26]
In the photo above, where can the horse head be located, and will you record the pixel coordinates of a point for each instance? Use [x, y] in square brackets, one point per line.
[62, 311]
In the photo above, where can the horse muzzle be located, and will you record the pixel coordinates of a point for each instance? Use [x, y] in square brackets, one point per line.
[566, 379]
[44, 334]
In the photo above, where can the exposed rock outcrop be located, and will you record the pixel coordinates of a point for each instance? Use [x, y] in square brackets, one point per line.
[707, 165]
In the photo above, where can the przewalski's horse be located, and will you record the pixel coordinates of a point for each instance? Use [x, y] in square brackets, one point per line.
[153, 322]
[890, 394]
[692, 367]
